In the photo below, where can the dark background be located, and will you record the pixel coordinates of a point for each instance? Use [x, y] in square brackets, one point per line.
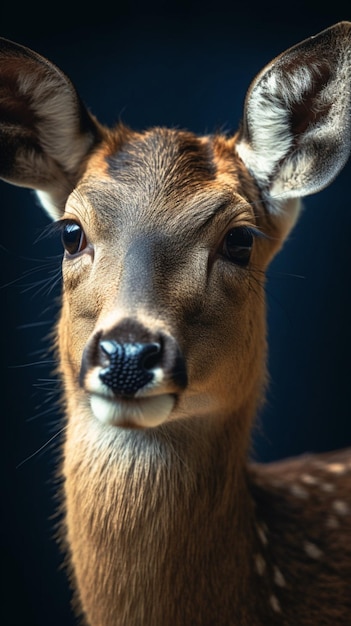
[189, 66]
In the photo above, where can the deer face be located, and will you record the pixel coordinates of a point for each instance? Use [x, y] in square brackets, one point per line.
[165, 258]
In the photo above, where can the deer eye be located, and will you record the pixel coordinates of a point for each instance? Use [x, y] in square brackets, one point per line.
[237, 245]
[73, 238]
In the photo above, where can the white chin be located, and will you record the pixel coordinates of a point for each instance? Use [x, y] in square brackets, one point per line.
[142, 413]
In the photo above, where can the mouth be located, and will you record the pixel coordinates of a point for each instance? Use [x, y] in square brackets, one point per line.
[148, 408]
[145, 412]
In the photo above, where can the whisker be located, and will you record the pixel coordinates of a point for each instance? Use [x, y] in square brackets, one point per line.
[34, 324]
[32, 364]
[274, 274]
[47, 411]
[44, 286]
[45, 445]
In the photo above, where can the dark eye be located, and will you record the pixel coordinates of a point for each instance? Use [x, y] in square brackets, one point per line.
[73, 238]
[237, 245]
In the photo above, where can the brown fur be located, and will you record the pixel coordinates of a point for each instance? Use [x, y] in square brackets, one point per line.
[170, 525]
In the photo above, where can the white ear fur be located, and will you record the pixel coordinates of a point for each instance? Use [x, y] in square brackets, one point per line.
[296, 132]
[45, 130]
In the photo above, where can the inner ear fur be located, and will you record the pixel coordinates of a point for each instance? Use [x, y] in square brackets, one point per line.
[296, 130]
[45, 130]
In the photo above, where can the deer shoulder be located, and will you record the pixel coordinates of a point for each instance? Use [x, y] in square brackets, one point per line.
[303, 530]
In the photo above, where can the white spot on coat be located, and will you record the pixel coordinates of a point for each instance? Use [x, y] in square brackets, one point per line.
[262, 534]
[278, 577]
[328, 487]
[274, 602]
[299, 492]
[340, 507]
[260, 564]
[312, 550]
[308, 479]
[336, 468]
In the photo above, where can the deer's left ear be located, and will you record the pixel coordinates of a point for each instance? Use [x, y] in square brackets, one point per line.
[296, 131]
[45, 130]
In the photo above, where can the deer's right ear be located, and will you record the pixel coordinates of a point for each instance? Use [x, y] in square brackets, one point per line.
[45, 130]
[296, 131]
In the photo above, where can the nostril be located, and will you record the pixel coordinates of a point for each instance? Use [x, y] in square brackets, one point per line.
[150, 356]
[128, 366]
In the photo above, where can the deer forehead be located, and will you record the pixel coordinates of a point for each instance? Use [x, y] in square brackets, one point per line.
[163, 181]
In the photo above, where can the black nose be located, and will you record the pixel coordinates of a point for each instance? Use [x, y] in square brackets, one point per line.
[130, 366]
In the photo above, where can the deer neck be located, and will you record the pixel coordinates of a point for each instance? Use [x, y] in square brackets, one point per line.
[147, 509]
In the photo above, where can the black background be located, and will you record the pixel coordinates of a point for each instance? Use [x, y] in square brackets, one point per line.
[188, 66]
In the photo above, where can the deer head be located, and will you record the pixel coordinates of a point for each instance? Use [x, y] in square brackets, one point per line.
[167, 235]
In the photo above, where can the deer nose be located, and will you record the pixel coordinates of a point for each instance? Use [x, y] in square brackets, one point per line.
[130, 366]
[128, 358]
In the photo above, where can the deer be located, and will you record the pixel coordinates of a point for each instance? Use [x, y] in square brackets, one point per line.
[162, 349]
